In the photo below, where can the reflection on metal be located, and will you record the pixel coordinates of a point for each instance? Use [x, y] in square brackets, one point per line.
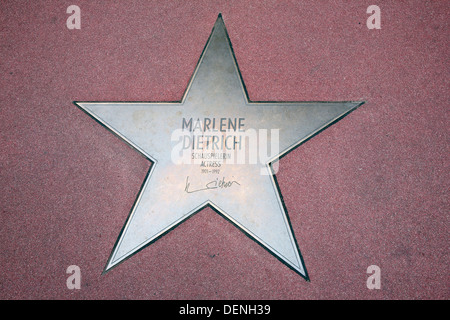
[195, 146]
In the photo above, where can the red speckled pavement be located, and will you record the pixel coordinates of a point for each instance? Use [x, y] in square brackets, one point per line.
[370, 190]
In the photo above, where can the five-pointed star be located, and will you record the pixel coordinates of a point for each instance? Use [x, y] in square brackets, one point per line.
[253, 203]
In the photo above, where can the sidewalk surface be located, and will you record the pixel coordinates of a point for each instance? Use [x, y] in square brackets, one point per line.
[372, 189]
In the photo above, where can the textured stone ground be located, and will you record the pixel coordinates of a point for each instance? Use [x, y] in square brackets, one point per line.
[371, 189]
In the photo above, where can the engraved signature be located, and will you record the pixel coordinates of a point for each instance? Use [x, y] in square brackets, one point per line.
[214, 184]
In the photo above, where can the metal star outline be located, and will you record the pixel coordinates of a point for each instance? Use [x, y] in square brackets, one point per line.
[254, 204]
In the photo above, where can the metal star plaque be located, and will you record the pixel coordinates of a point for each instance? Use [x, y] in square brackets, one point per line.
[214, 148]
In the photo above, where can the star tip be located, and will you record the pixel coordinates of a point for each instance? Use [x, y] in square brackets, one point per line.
[106, 270]
[220, 17]
[304, 275]
[358, 104]
[301, 271]
[355, 105]
[219, 20]
[81, 105]
[78, 104]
